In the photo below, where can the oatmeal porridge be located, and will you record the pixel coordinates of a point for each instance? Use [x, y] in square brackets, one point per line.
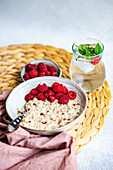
[44, 115]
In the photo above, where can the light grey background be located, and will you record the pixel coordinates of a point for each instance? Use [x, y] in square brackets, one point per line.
[60, 23]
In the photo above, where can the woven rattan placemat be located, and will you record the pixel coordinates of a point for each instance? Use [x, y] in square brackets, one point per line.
[14, 57]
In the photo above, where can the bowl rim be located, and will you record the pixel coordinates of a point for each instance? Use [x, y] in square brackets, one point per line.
[22, 70]
[56, 79]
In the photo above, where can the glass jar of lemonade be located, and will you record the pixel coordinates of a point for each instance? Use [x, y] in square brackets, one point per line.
[87, 68]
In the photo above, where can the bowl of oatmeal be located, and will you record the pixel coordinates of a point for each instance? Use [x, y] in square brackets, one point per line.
[53, 104]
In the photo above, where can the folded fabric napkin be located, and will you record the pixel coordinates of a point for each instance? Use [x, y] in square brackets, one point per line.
[23, 150]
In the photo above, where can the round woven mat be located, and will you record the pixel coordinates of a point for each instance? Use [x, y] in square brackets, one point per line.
[14, 57]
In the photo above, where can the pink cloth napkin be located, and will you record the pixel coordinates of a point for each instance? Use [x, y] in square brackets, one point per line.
[23, 150]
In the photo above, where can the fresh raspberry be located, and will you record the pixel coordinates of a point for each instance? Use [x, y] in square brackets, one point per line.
[52, 69]
[96, 60]
[40, 96]
[49, 93]
[57, 87]
[71, 95]
[54, 74]
[51, 98]
[26, 76]
[64, 90]
[42, 88]
[33, 73]
[61, 85]
[47, 73]
[58, 95]
[46, 94]
[49, 88]
[29, 96]
[64, 99]
[41, 74]
[35, 66]
[42, 67]
[29, 67]
[47, 66]
[34, 92]
[56, 83]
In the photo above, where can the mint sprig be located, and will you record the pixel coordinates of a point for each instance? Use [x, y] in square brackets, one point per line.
[87, 50]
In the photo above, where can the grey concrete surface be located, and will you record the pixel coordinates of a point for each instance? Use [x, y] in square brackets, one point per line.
[60, 23]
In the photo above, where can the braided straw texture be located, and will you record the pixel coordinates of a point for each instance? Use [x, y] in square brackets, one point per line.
[14, 57]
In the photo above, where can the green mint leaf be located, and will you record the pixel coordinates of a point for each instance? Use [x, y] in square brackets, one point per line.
[91, 49]
[97, 49]
[76, 45]
[81, 49]
[89, 52]
[81, 52]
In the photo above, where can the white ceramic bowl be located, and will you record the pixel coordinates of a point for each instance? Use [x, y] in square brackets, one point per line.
[45, 61]
[16, 99]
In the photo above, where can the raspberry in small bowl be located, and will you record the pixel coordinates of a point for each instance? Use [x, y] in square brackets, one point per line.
[40, 68]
